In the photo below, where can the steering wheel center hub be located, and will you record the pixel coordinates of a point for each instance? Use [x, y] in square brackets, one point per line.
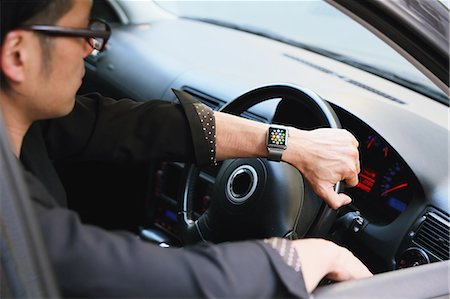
[241, 184]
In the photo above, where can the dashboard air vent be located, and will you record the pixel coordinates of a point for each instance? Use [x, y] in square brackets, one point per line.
[433, 235]
[208, 100]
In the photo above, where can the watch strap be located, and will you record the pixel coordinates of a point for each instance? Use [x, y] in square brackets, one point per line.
[274, 154]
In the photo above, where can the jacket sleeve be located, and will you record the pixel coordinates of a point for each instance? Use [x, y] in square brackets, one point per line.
[101, 128]
[91, 262]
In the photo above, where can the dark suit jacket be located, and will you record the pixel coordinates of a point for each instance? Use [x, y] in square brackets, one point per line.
[92, 262]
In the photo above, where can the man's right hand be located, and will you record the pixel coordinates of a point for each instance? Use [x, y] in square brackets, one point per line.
[325, 157]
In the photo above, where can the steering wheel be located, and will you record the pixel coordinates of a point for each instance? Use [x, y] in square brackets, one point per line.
[256, 198]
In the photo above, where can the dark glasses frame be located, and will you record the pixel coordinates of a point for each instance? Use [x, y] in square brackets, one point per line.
[90, 34]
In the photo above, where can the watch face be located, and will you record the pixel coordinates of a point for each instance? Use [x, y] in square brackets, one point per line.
[277, 137]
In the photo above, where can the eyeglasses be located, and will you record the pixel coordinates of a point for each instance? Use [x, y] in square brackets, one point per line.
[97, 35]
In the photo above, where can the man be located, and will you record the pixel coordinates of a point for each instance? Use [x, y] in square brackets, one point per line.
[43, 44]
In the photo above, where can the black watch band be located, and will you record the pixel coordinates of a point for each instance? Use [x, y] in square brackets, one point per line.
[274, 154]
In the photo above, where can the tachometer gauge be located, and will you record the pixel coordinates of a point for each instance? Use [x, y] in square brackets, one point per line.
[376, 148]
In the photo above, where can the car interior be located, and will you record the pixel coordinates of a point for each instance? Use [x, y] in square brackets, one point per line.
[398, 223]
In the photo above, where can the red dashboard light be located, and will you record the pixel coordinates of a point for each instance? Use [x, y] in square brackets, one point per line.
[366, 180]
[363, 187]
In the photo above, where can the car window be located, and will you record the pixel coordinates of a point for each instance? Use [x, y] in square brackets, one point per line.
[101, 9]
[314, 25]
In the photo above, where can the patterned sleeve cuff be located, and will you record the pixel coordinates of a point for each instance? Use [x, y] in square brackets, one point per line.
[287, 252]
[208, 121]
[202, 123]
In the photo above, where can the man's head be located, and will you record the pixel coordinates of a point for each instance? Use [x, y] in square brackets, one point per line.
[42, 72]
[15, 13]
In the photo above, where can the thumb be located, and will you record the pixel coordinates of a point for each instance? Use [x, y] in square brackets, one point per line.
[336, 200]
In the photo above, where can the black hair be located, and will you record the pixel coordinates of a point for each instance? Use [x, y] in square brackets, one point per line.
[14, 13]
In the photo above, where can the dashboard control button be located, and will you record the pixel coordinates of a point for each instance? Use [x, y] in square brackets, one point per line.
[412, 257]
[357, 224]
[352, 221]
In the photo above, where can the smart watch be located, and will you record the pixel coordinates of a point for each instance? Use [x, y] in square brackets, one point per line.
[277, 137]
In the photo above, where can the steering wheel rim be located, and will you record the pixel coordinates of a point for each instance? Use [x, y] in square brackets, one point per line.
[196, 230]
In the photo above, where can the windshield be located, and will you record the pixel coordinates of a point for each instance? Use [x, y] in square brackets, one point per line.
[314, 25]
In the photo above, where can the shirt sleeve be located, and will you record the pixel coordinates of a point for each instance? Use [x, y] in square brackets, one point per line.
[286, 251]
[203, 126]
[91, 262]
[101, 128]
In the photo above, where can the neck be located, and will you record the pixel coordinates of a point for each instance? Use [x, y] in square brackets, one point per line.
[16, 122]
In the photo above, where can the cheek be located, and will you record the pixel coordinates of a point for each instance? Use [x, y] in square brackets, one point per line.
[68, 60]
[68, 67]
[65, 80]
[70, 52]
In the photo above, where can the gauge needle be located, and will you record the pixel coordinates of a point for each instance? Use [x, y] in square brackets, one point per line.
[369, 145]
[394, 188]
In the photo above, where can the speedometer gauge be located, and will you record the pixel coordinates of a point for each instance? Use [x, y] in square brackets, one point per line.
[394, 188]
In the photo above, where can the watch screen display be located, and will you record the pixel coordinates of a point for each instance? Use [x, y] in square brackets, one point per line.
[277, 137]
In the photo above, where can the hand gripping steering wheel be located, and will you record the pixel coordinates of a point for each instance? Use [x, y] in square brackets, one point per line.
[255, 198]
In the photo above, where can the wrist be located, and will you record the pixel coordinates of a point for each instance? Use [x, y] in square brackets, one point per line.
[295, 151]
[239, 137]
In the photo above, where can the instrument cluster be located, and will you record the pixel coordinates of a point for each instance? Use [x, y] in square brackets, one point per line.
[386, 183]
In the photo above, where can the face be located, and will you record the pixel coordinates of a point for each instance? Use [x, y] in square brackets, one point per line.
[54, 83]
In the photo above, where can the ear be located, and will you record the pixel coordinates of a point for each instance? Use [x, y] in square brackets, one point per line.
[12, 56]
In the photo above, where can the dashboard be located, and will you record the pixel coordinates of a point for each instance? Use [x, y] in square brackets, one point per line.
[387, 197]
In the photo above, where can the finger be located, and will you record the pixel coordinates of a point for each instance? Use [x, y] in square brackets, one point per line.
[364, 272]
[352, 268]
[356, 271]
[352, 181]
[336, 200]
